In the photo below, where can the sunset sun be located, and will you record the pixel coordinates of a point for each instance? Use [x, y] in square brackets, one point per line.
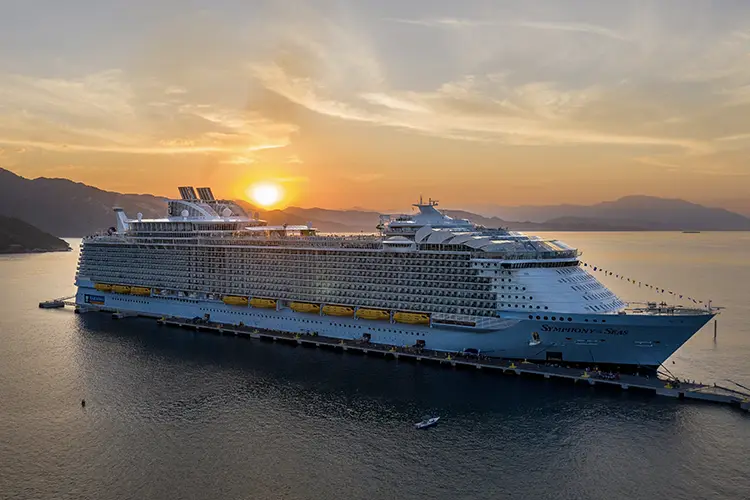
[264, 194]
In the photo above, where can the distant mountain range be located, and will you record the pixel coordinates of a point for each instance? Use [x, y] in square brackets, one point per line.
[17, 236]
[636, 211]
[66, 208]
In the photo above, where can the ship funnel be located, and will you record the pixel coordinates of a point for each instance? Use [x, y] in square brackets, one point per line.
[122, 220]
[205, 194]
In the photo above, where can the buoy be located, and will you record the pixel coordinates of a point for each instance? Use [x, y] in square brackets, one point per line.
[83, 403]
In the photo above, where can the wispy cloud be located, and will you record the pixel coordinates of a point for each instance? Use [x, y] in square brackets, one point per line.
[365, 177]
[456, 23]
[445, 22]
[107, 113]
[531, 114]
[588, 29]
[657, 161]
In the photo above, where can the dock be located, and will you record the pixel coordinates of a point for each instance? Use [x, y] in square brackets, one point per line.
[653, 384]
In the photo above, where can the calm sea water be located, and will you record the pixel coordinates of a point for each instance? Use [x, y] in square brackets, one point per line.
[173, 414]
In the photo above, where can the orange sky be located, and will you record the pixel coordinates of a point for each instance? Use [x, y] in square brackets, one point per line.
[373, 105]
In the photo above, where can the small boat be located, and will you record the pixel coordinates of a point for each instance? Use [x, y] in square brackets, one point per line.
[427, 422]
[52, 304]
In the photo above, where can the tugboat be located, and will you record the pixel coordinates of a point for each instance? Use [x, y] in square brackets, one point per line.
[426, 422]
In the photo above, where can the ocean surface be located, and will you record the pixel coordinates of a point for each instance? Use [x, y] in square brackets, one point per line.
[173, 414]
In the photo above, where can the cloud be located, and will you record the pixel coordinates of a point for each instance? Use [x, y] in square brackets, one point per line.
[459, 23]
[657, 161]
[364, 177]
[572, 27]
[537, 113]
[645, 94]
[297, 179]
[112, 112]
[446, 22]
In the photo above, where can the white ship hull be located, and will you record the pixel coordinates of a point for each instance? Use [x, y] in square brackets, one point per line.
[624, 340]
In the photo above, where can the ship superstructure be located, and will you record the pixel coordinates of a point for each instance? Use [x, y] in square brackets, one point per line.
[425, 280]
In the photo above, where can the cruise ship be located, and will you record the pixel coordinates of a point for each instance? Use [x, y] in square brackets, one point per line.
[424, 280]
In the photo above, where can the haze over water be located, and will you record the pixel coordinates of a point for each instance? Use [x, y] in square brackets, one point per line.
[175, 414]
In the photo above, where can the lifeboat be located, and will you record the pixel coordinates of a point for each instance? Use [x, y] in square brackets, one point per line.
[412, 318]
[234, 300]
[140, 290]
[338, 310]
[121, 288]
[373, 314]
[103, 287]
[304, 307]
[264, 303]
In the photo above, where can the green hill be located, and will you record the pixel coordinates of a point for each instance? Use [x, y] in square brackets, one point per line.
[17, 236]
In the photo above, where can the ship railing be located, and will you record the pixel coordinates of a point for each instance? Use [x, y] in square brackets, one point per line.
[663, 308]
[525, 256]
[106, 237]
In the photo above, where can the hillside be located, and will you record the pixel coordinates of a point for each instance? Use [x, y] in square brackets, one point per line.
[643, 212]
[66, 208]
[17, 236]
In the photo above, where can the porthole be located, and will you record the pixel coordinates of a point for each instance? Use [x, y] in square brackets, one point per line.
[545, 318]
[553, 318]
[531, 317]
[570, 319]
[538, 317]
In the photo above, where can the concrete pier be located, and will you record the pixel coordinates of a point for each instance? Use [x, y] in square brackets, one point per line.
[658, 386]
[654, 385]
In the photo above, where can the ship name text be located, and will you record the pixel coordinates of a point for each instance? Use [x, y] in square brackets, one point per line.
[577, 329]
